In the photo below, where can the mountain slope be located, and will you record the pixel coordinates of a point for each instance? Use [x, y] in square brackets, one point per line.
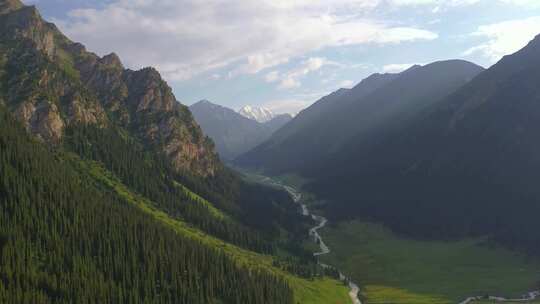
[277, 122]
[378, 101]
[233, 133]
[83, 243]
[466, 167]
[53, 83]
[118, 197]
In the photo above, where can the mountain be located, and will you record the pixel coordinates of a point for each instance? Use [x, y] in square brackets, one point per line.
[259, 114]
[466, 167]
[76, 230]
[277, 122]
[378, 101]
[112, 193]
[76, 86]
[233, 133]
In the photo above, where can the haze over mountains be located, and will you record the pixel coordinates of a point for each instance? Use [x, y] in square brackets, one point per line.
[378, 102]
[443, 150]
[468, 166]
[232, 132]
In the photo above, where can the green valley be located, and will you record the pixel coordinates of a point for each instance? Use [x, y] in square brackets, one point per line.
[308, 291]
[395, 269]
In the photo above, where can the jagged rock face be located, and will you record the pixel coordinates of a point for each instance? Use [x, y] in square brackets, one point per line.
[79, 112]
[7, 6]
[25, 22]
[142, 101]
[172, 133]
[42, 119]
[41, 87]
[53, 83]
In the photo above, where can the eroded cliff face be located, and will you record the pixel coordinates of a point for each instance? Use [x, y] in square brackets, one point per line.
[50, 83]
[142, 102]
[38, 84]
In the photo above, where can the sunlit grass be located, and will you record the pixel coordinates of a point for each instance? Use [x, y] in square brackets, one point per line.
[319, 291]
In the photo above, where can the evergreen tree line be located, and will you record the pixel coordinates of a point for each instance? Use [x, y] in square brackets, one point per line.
[264, 212]
[63, 239]
[151, 176]
[440, 207]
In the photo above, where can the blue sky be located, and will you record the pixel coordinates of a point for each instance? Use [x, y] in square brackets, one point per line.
[285, 54]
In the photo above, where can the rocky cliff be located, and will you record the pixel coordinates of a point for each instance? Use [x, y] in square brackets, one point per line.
[50, 83]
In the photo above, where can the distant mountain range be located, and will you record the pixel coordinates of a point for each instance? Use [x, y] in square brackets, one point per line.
[468, 166]
[378, 102]
[233, 133]
[446, 150]
[259, 114]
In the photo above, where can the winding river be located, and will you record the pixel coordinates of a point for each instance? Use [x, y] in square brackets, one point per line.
[315, 236]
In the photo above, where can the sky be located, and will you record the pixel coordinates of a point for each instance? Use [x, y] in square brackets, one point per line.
[286, 54]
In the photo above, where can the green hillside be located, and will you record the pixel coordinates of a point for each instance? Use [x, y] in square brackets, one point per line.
[73, 218]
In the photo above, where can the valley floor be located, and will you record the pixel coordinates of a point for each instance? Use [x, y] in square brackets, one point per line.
[392, 269]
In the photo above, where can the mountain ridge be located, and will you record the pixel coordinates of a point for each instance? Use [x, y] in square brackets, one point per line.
[466, 167]
[87, 87]
[232, 132]
[321, 130]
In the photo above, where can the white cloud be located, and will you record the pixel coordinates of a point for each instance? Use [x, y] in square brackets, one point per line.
[272, 76]
[183, 38]
[297, 102]
[396, 67]
[531, 3]
[289, 83]
[442, 5]
[413, 2]
[439, 3]
[291, 106]
[291, 79]
[346, 84]
[505, 37]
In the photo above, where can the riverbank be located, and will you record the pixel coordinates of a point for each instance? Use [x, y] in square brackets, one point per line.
[316, 237]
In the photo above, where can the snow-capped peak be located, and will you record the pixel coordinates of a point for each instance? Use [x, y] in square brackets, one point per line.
[259, 114]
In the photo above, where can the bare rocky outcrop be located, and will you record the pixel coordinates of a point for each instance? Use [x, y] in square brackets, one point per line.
[79, 112]
[42, 119]
[70, 85]
[25, 22]
[144, 103]
[7, 6]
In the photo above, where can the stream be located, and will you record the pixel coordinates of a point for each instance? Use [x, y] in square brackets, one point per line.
[316, 237]
[531, 296]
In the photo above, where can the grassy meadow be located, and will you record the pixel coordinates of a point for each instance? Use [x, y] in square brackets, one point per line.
[393, 269]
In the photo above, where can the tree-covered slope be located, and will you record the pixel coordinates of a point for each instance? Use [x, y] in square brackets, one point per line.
[64, 239]
[466, 167]
[130, 121]
[110, 193]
